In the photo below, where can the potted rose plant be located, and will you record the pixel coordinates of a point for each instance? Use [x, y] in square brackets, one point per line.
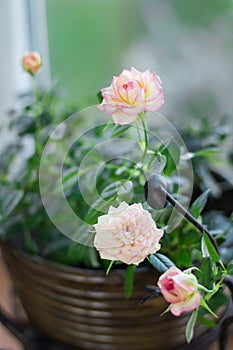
[91, 201]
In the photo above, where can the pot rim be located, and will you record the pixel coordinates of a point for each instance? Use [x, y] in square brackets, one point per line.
[10, 248]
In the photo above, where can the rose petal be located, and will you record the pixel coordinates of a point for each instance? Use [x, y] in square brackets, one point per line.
[131, 93]
[185, 306]
[122, 118]
[127, 233]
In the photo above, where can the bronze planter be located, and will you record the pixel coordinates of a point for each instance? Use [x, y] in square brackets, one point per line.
[85, 309]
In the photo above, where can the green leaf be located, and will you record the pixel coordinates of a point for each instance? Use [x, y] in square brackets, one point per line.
[9, 201]
[172, 154]
[99, 96]
[190, 326]
[199, 204]
[30, 244]
[206, 275]
[70, 178]
[55, 245]
[206, 322]
[207, 153]
[158, 163]
[230, 269]
[120, 130]
[160, 262]
[217, 298]
[185, 258]
[206, 306]
[129, 279]
[211, 249]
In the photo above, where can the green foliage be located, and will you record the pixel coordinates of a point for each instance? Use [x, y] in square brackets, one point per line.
[182, 244]
[206, 273]
[190, 326]
[230, 269]
[160, 262]
[172, 154]
[9, 200]
[201, 13]
[119, 130]
[22, 215]
[211, 249]
[208, 144]
[199, 204]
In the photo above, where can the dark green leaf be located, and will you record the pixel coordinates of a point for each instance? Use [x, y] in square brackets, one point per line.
[25, 125]
[206, 322]
[99, 96]
[30, 244]
[160, 262]
[218, 300]
[230, 269]
[211, 249]
[129, 278]
[172, 154]
[206, 274]
[199, 204]
[59, 243]
[185, 258]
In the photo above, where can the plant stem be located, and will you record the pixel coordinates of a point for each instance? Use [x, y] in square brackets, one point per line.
[35, 89]
[36, 115]
[187, 215]
[144, 125]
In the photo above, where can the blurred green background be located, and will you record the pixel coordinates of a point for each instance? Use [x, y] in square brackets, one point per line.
[188, 42]
[88, 39]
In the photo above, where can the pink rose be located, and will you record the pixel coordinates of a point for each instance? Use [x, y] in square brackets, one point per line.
[179, 289]
[131, 93]
[32, 62]
[127, 234]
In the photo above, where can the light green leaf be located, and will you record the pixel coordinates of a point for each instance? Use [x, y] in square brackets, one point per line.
[70, 178]
[207, 153]
[120, 130]
[199, 204]
[9, 201]
[190, 326]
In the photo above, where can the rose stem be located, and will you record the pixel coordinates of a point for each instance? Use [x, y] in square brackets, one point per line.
[187, 215]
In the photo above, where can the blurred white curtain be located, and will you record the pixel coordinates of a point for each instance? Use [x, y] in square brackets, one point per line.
[23, 27]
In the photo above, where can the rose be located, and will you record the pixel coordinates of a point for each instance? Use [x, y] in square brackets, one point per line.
[32, 62]
[179, 289]
[131, 93]
[127, 234]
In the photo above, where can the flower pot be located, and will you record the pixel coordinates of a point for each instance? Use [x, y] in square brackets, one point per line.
[86, 309]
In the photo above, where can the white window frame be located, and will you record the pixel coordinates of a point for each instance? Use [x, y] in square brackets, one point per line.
[23, 27]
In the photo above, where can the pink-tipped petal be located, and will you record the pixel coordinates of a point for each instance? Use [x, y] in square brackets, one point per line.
[122, 118]
[185, 306]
